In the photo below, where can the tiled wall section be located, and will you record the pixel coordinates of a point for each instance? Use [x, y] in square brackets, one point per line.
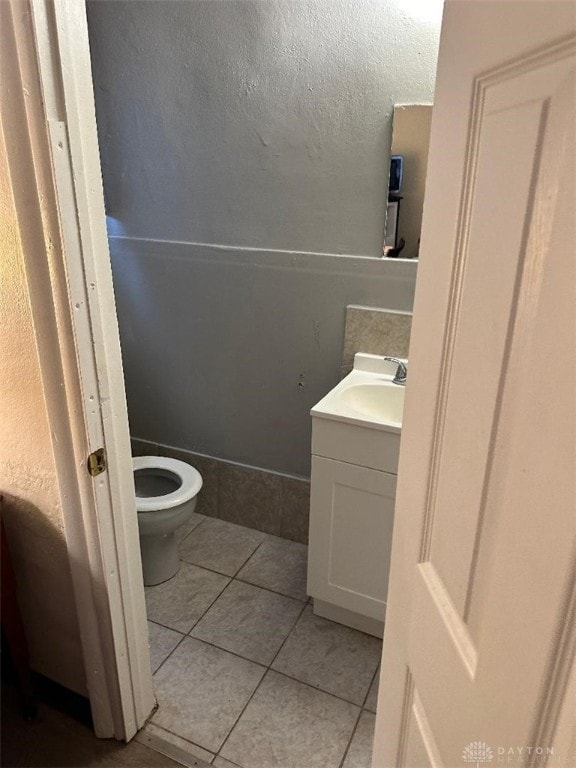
[267, 501]
[376, 331]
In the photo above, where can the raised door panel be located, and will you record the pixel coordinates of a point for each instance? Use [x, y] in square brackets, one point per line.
[511, 123]
[472, 590]
[351, 520]
[483, 568]
[421, 750]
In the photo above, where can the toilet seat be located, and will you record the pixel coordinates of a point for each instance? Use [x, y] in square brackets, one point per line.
[190, 483]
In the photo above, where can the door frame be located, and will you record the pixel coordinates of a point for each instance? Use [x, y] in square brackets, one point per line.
[69, 278]
[75, 323]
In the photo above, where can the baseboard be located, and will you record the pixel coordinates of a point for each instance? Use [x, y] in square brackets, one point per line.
[349, 618]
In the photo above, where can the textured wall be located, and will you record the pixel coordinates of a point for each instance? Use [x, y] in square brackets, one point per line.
[31, 502]
[226, 351]
[255, 125]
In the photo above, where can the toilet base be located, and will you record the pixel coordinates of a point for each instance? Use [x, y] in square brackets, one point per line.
[160, 560]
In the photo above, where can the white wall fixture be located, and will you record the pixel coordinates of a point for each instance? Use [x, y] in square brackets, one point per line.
[355, 445]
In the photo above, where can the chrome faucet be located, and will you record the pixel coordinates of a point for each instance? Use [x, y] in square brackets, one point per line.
[401, 371]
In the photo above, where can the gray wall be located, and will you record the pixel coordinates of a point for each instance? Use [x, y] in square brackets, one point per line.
[253, 125]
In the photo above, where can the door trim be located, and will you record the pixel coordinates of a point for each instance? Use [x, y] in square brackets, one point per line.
[70, 285]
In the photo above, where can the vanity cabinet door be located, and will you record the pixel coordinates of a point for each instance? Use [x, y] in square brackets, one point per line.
[351, 519]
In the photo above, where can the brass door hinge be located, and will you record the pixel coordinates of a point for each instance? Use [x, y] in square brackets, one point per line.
[96, 462]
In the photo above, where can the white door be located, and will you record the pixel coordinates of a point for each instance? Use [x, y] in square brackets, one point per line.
[481, 628]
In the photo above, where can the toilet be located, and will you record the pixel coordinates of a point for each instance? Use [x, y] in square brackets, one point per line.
[166, 493]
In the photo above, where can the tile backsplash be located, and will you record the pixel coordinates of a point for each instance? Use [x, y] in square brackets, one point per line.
[376, 331]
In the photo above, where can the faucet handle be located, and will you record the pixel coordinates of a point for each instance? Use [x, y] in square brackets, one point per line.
[401, 371]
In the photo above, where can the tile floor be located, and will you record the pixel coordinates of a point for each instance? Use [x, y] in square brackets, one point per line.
[245, 674]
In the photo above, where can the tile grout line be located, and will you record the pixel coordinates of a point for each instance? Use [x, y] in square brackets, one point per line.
[282, 674]
[292, 628]
[221, 747]
[218, 596]
[269, 666]
[219, 647]
[316, 688]
[164, 626]
[237, 578]
[191, 628]
[166, 659]
[345, 755]
[261, 681]
[191, 531]
[233, 576]
[271, 669]
[273, 591]
[377, 672]
[251, 555]
[362, 709]
[300, 682]
[231, 579]
[265, 667]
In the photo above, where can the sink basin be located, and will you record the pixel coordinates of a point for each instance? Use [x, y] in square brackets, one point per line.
[366, 397]
[380, 401]
[360, 420]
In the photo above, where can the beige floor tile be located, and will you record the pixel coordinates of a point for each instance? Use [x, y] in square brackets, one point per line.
[189, 526]
[372, 698]
[360, 751]
[330, 656]
[288, 724]
[219, 762]
[162, 642]
[249, 621]
[201, 691]
[279, 565]
[181, 601]
[220, 546]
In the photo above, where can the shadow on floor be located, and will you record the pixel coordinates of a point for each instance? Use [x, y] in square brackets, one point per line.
[56, 739]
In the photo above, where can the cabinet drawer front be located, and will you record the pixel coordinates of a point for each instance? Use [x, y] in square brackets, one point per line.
[351, 520]
[353, 444]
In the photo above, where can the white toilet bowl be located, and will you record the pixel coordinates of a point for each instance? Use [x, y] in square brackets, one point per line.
[166, 493]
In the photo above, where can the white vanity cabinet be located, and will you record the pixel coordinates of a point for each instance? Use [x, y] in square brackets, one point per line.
[355, 447]
[351, 520]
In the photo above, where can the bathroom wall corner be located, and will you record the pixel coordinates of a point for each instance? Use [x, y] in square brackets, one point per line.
[295, 514]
